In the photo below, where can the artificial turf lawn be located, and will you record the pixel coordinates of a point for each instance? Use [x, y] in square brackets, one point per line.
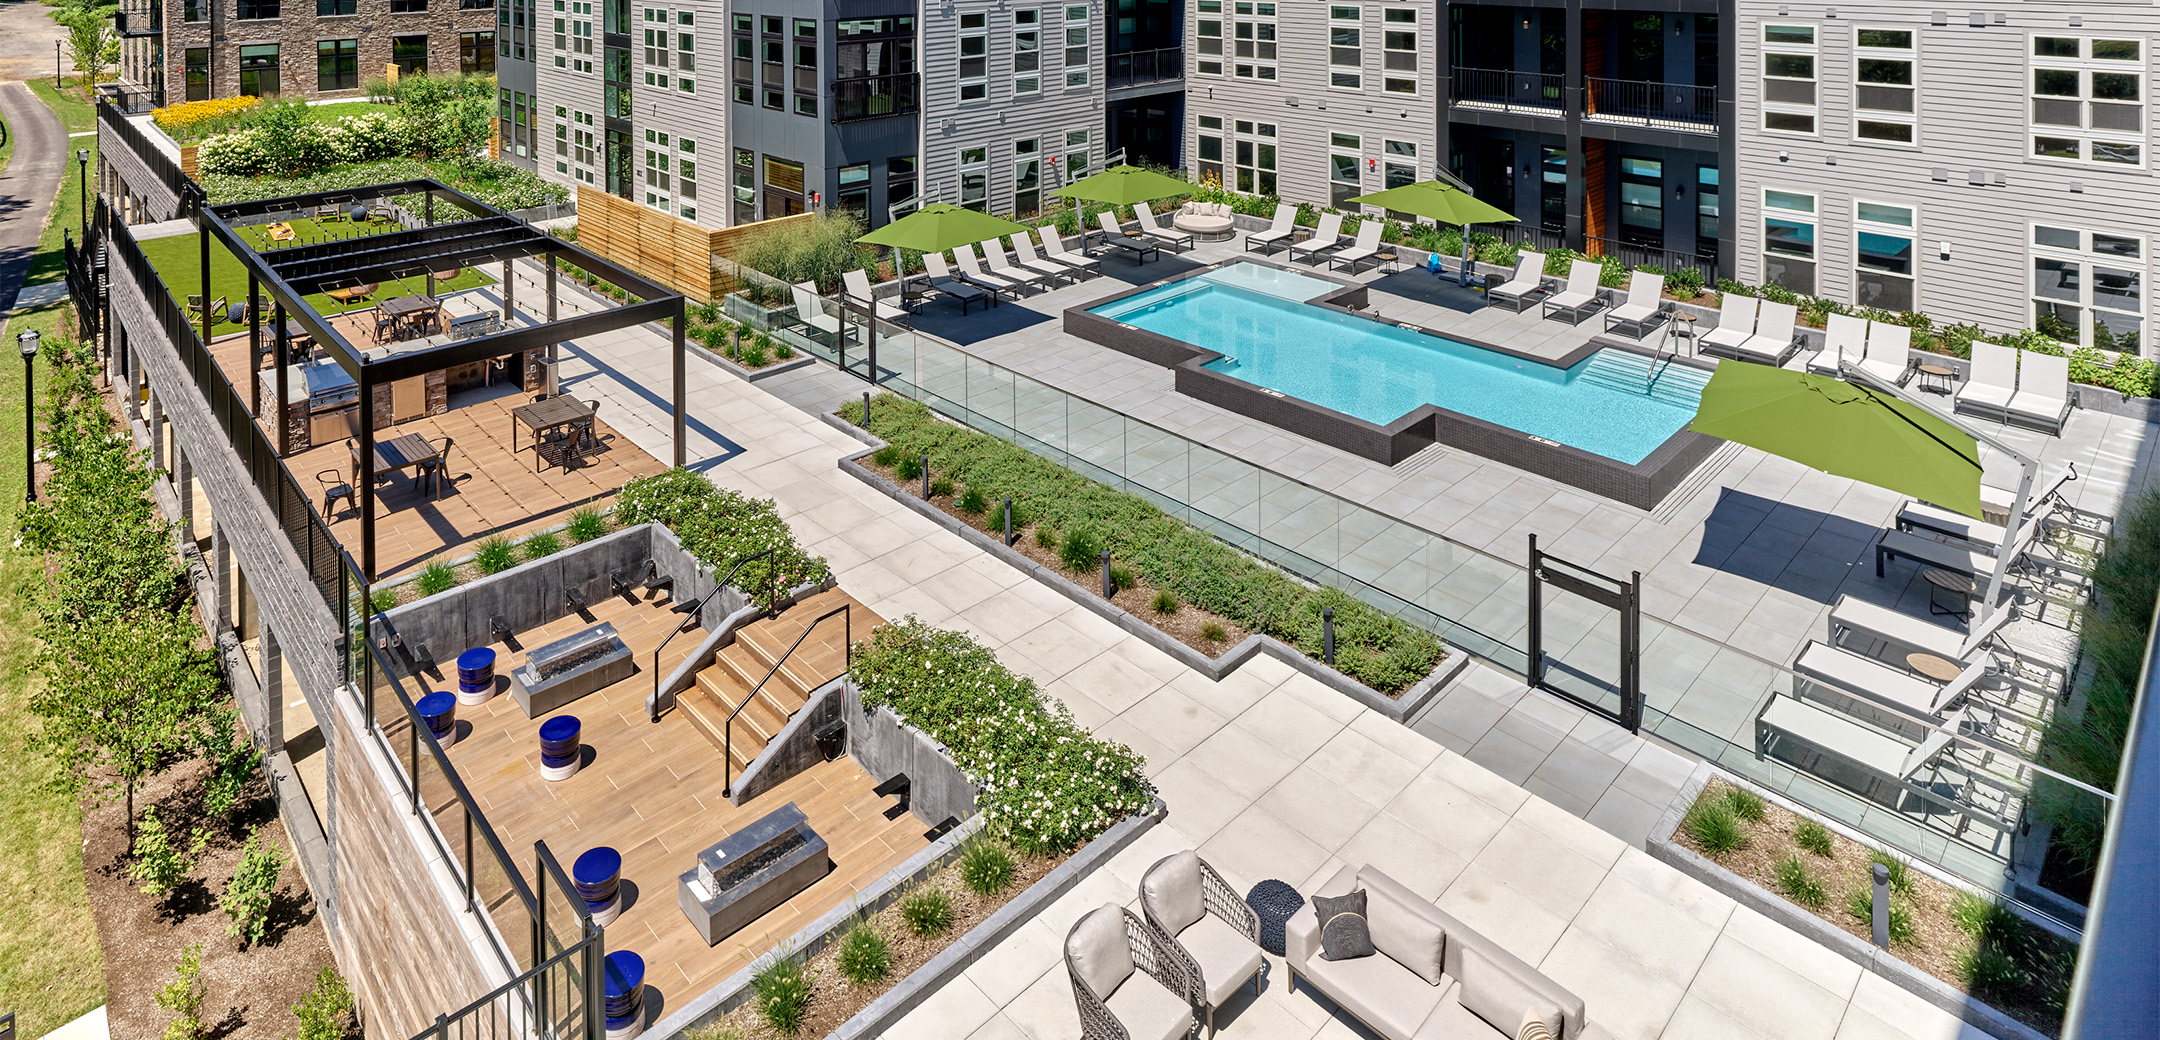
[177, 262]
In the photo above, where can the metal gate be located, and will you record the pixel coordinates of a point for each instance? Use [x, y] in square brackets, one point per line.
[1586, 638]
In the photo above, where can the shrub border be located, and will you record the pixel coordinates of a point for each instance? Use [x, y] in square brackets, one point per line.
[1399, 709]
[1967, 1007]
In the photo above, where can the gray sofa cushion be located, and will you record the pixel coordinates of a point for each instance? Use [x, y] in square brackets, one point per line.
[1098, 951]
[1403, 928]
[1148, 1011]
[1381, 993]
[1499, 995]
[1226, 958]
[1171, 891]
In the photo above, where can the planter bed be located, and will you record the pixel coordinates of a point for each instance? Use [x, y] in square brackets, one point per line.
[1962, 949]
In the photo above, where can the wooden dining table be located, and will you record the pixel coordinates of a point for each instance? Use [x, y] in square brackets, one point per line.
[404, 452]
[404, 308]
[543, 416]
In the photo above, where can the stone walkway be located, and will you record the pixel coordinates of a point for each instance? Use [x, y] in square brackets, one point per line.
[1271, 774]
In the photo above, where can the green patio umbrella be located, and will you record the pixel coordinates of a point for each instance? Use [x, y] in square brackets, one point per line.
[1126, 185]
[1845, 429]
[940, 226]
[1444, 202]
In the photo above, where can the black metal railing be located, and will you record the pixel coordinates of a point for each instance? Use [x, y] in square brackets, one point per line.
[1535, 92]
[7, 1026]
[727, 755]
[111, 119]
[876, 97]
[695, 610]
[140, 22]
[132, 98]
[85, 282]
[1529, 236]
[1128, 68]
[1667, 106]
[1641, 256]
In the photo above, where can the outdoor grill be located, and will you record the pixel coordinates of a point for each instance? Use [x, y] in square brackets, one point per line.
[327, 392]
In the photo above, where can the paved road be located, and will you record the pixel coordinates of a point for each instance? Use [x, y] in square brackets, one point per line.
[28, 184]
[27, 33]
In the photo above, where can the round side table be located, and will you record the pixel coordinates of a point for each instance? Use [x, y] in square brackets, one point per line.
[624, 1000]
[476, 675]
[597, 876]
[1275, 901]
[1936, 379]
[1961, 585]
[1939, 669]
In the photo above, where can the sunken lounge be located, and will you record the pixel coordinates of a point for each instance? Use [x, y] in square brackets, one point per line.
[324, 337]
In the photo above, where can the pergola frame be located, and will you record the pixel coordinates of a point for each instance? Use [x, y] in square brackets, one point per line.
[288, 276]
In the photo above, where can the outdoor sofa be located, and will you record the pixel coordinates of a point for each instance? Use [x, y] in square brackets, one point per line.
[1431, 978]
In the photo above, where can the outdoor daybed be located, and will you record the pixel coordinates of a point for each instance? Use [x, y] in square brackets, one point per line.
[1205, 218]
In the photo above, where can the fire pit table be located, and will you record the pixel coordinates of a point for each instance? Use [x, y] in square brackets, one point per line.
[569, 668]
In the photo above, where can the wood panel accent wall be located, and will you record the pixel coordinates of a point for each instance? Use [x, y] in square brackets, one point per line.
[666, 249]
[1596, 172]
[189, 164]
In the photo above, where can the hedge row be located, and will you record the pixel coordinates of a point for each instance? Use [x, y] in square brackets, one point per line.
[719, 527]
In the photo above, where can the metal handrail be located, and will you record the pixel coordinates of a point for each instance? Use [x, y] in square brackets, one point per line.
[727, 752]
[1670, 106]
[698, 606]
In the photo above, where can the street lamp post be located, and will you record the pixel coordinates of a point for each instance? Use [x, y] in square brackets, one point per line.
[82, 164]
[28, 341]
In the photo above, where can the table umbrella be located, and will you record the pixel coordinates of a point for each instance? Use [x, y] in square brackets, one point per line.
[1843, 428]
[936, 228]
[1126, 185]
[1443, 202]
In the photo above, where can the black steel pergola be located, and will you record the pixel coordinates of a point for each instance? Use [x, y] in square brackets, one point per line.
[485, 235]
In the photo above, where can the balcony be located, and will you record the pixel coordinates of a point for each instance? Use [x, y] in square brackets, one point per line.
[134, 24]
[1664, 106]
[1133, 68]
[1502, 90]
[876, 97]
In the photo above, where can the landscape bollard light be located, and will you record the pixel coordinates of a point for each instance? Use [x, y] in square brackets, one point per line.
[28, 341]
[1327, 635]
[1882, 906]
[866, 409]
[1107, 589]
[1008, 522]
[926, 478]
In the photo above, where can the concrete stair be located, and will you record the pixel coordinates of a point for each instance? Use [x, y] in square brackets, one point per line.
[739, 668]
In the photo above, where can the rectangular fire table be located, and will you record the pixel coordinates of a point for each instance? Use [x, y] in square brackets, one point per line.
[569, 668]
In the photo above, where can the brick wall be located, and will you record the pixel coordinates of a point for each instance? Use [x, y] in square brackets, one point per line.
[296, 32]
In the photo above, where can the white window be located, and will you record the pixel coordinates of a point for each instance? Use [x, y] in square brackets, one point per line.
[1886, 85]
[1344, 168]
[1076, 155]
[974, 68]
[1076, 47]
[1209, 154]
[1255, 157]
[1346, 51]
[1399, 50]
[1884, 270]
[1255, 30]
[1400, 166]
[2088, 100]
[1027, 51]
[1207, 31]
[1789, 240]
[1788, 79]
[2088, 287]
[975, 178]
[1027, 176]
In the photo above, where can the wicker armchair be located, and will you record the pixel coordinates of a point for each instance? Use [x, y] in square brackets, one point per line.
[1128, 983]
[1199, 918]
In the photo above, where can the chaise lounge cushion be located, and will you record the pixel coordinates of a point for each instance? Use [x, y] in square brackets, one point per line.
[1402, 928]
[1381, 993]
[1172, 890]
[1226, 958]
[1098, 950]
[1148, 1011]
[1499, 996]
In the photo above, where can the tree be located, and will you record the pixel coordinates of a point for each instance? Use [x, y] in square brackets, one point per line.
[119, 700]
[91, 42]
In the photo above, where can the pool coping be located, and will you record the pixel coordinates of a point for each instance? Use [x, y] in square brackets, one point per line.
[1642, 485]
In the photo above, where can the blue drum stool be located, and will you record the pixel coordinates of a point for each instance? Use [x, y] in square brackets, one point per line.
[439, 711]
[559, 747]
[625, 1000]
[597, 876]
[476, 675]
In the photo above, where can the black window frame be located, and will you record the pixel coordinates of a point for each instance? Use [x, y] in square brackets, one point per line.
[254, 72]
[403, 65]
[257, 10]
[343, 62]
[188, 68]
[469, 50]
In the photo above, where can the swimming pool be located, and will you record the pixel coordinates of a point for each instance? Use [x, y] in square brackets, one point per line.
[1606, 403]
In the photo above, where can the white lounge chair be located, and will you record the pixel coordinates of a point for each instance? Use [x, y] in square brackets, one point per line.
[857, 284]
[942, 280]
[2000, 500]
[1645, 301]
[1135, 248]
[971, 272]
[1871, 749]
[1001, 266]
[1528, 280]
[1993, 380]
[1889, 352]
[1772, 342]
[1054, 250]
[1023, 246]
[1882, 684]
[1944, 523]
[1169, 236]
[1365, 250]
[1326, 237]
[2043, 391]
[1580, 293]
[811, 310]
[1844, 340]
[1930, 552]
[1856, 616]
[1735, 323]
[1278, 232]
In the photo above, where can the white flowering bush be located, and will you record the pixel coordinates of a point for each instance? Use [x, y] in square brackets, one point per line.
[237, 154]
[351, 139]
[719, 527]
[1048, 784]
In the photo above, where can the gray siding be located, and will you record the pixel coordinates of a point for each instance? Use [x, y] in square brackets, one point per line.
[998, 120]
[1972, 121]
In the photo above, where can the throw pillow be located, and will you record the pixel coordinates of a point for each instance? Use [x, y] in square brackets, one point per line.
[1401, 929]
[1533, 1026]
[1343, 932]
[1498, 995]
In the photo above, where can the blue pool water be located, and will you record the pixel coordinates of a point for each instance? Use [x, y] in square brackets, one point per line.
[1606, 403]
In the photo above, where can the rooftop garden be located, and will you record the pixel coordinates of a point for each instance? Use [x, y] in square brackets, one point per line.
[178, 260]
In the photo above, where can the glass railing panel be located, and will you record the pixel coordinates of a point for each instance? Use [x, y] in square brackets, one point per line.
[1226, 492]
[942, 376]
[1039, 419]
[1156, 462]
[990, 395]
[1299, 518]
[1095, 441]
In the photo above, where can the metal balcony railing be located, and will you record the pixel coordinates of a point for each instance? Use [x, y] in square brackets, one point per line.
[149, 22]
[1535, 92]
[1666, 106]
[876, 97]
[1129, 68]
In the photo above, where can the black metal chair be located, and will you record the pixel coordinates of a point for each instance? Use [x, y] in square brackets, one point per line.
[334, 489]
[438, 468]
[583, 428]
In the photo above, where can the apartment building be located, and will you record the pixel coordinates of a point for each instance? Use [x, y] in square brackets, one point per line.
[191, 50]
[1988, 165]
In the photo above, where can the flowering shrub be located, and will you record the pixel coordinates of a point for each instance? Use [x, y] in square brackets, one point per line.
[498, 184]
[255, 150]
[719, 527]
[194, 119]
[1048, 784]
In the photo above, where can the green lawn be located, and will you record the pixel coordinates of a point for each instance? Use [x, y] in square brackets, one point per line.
[73, 110]
[329, 113]
[178, 262]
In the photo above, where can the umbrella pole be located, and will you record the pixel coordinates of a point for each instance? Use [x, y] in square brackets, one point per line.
[2004, 556]
[1464, 274]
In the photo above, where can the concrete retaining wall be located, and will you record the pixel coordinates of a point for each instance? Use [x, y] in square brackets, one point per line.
[795, 749]
[883, 745]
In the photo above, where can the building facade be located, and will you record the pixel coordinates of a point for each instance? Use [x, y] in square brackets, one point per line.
[193, 50]
[1990, 167]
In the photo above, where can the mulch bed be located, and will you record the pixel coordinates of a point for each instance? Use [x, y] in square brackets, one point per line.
[1937, 939]
[1185, 624]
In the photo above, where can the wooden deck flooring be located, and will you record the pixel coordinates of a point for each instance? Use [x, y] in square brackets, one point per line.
[652, 791]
